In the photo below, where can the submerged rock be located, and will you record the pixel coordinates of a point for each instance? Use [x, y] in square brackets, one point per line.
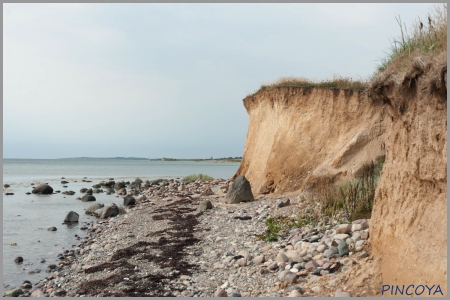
[44, 189]
[72, 217]
[87, 198]
[13, 293]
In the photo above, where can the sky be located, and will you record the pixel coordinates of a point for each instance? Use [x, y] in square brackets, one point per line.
[168, 80]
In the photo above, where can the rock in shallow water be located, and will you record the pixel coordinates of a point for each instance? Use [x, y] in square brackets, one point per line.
[72, 217]
[87, 198]
[13, 293]
[44, 189]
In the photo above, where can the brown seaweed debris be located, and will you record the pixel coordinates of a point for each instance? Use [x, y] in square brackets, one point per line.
[170, 258]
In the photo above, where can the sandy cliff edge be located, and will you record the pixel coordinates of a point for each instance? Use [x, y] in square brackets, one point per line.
[298, 136]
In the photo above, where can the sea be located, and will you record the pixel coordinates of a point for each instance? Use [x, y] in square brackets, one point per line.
[26, 218]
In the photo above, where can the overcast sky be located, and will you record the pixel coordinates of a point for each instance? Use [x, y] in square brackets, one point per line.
[167, 80]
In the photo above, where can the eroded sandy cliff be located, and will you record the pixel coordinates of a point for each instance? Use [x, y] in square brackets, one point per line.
[298, 136]
[409, 219]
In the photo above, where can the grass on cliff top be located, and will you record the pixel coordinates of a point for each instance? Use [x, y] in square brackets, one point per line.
[337, 82]
[423, 38]
[194, 177]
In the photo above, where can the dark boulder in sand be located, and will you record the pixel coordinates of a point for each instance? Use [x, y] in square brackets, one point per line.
[44, 189]
[87, 198]
[83, 190]
[240, 191]
[111, 211]
[129, 200]
[72, 217]
[204, 205]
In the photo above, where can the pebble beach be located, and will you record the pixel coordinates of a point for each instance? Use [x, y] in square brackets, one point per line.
[183, 240]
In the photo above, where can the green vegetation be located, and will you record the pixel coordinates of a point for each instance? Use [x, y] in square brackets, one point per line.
[352, 200]
[279, 226]
[424, 37]
[194, 177]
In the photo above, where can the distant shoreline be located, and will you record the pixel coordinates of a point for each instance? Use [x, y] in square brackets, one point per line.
[225, 159]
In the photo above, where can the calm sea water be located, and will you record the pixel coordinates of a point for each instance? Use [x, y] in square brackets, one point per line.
[27, 217]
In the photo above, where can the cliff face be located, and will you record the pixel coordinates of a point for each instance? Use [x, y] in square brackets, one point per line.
[299, 136]
[409, 220]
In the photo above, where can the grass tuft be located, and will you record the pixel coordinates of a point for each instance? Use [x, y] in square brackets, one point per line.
[424, 37]
[352, 199]
[332, 203]
[194, 177]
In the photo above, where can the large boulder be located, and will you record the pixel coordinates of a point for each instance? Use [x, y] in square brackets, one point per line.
[204, 205]
[13, 293]
[71, 217]
[44, 189]
[129, 200]
[110, 211]
[93, 207]
[87, 198]
[240, 191]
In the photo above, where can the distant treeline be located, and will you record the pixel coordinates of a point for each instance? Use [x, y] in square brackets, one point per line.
[117, 157]
[230, 159]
